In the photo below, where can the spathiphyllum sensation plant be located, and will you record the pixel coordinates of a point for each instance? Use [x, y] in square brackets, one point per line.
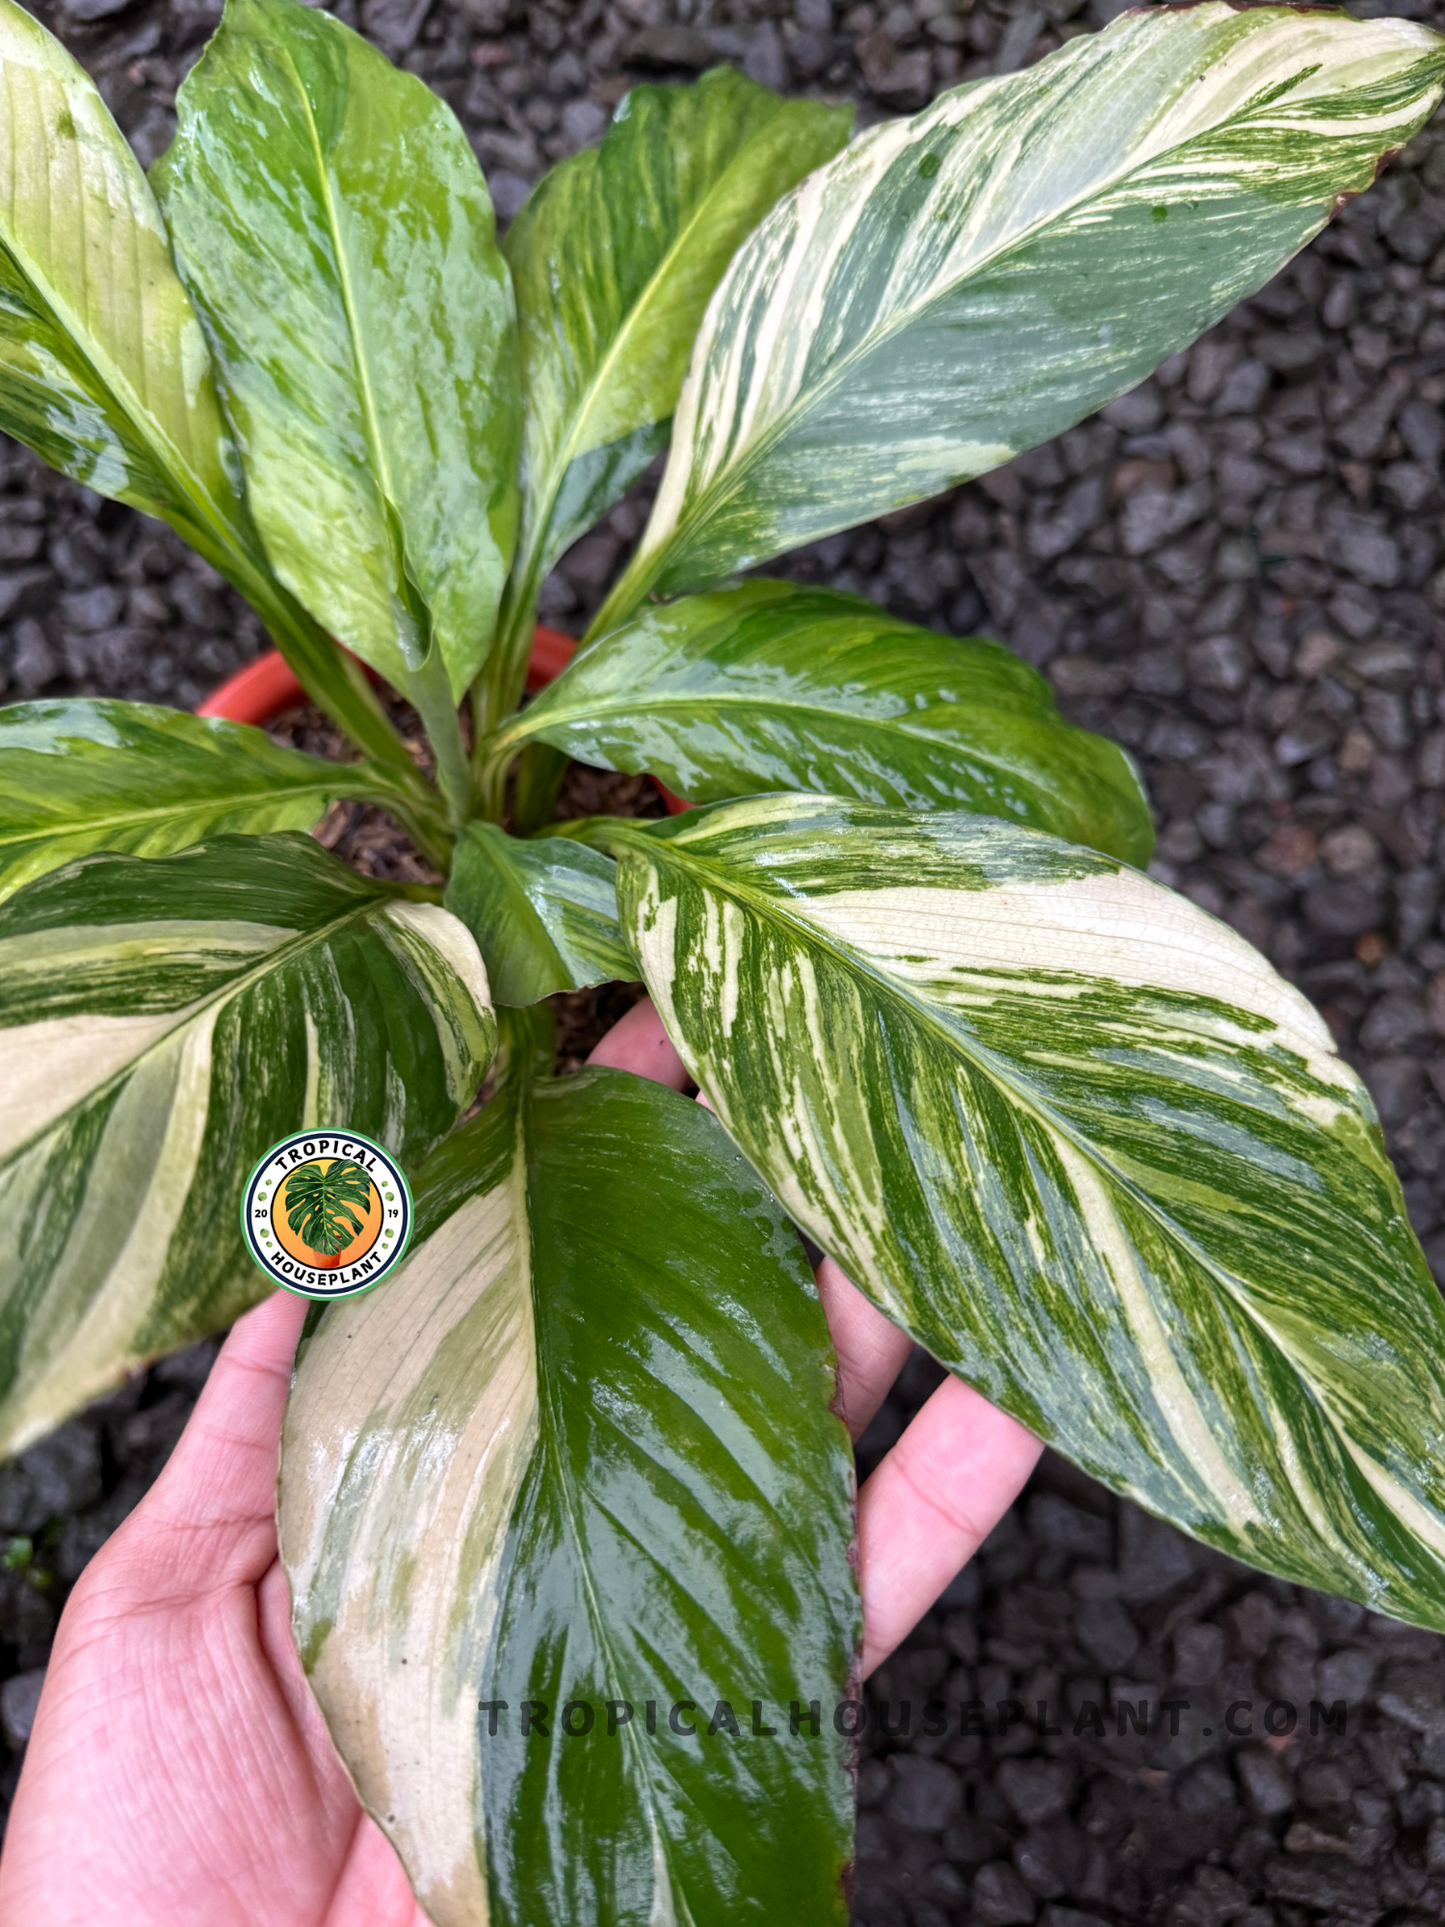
[1071, 1132]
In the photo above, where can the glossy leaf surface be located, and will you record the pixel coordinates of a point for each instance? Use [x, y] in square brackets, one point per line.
[959, 286]
[162, 1023]
[769, 686]
[322, 1203]
[579, 1450]
[332, 223]
[544, 913]
[615, 256]
[103, 366]
[77, 776]
[1081, 1141]
[104, 369]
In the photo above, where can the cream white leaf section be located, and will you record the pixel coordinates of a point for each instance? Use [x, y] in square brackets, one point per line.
[411, 1424]
[615, 257]
[1083, 1142]
[959, 286]
[578, 1450]
[162, 1023]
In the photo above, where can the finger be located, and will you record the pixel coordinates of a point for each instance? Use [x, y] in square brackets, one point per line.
[929, 1506]
[871, 1349]
[638, 1043]
[210, 1519]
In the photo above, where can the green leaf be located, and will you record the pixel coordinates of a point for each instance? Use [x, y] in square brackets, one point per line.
[163, 1022]
[103, 366]
[579, 1449]
[77, 776]
[544, 913]
[334, 228]
[615, 257]
[104, 370]
[1083, 1143]
[769, 686]
[322, 1202]
[959, 286]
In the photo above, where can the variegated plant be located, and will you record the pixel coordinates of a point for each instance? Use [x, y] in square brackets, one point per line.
[1071, 1133]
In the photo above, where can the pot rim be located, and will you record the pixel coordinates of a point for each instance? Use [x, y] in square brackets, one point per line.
[264, 687]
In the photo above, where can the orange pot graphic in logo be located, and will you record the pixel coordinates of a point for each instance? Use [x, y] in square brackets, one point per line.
[331, 1208]
[326, 1214]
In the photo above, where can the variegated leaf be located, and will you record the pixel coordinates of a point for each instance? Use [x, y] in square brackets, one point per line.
[1087, 1147]
[544, 913]
[578, 1451]
[162, 1023]
[104, 370]
[771, 686]
[957, 287]
[332, 223]
[615, 257]
[80, 776]
[103, 366]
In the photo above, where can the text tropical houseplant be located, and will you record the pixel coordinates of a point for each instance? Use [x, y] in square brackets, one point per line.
[1068, 1130]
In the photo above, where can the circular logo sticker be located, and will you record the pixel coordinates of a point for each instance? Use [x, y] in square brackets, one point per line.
[326, 1214]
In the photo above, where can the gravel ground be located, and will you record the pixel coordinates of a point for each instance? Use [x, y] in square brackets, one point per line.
[1235, 571]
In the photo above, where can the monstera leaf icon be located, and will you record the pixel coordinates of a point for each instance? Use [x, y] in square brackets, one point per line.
[319, 1203]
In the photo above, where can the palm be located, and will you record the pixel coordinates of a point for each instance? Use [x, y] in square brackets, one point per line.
[184, 1773]
[180, 1772]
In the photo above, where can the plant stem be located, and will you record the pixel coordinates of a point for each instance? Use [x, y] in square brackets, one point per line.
[498, 689]
[223, 534]
[492, 756]
[630, 589]
[342, 691]
[330, 677]
[430, 689]
[335, 682]
[490, 790]
[541, 771]
[610, 834]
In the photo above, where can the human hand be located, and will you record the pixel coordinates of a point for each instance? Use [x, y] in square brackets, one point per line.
[179, 1773]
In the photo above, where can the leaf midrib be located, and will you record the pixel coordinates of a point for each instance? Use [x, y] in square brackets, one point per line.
[646, 704]
[710, 500]
[767, 907]
[568, 449]
[518, 904]
[381, 477]
[548, 1436]
[374, 438]
[274, 959]
[259, 799]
